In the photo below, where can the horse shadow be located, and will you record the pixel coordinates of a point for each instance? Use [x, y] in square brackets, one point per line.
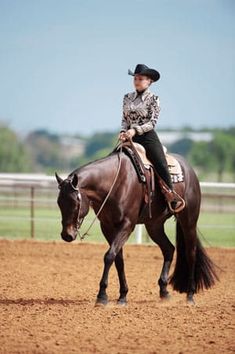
[44, 301]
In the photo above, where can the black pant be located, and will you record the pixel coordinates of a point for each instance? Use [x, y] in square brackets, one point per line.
[155, 154]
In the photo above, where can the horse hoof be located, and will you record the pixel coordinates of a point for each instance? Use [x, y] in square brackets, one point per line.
[190, 301]
[122, 302]
[101, 302]
[165, 296]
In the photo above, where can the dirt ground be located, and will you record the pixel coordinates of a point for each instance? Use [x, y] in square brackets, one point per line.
[48, 290]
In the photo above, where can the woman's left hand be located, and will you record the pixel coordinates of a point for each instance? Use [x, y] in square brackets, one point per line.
[130, 132]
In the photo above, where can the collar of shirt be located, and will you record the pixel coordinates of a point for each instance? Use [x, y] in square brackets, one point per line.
[143, 95]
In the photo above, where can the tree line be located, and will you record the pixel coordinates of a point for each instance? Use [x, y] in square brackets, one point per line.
[43, 151]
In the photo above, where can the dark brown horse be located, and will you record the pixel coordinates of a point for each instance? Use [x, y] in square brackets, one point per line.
[89, 185]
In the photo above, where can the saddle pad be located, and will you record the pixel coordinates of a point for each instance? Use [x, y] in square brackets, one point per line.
[174, 169]
[173, 164]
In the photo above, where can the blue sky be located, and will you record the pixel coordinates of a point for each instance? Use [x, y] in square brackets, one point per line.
[63, 64]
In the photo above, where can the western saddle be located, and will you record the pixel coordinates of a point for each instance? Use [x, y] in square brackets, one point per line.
[146, 173]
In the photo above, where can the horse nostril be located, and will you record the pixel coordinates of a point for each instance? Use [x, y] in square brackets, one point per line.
[67, 237]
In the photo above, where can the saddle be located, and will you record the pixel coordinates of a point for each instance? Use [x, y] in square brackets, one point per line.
[173, 164]
[146, 171]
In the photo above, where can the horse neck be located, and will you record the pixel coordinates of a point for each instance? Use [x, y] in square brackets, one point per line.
[96, 178]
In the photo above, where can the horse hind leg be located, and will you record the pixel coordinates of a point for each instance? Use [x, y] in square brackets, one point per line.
[158, 235]
[194, 270]
[190, 253]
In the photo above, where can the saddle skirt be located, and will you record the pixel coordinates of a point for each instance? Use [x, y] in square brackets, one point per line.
[173, 164]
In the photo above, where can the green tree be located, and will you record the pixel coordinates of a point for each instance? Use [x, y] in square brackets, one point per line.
[223, 149]
[217, 155]
[45, 151]
[13, 155]
[100, 141]
[201, 156]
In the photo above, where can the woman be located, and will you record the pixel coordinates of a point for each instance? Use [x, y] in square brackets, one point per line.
[140, 113]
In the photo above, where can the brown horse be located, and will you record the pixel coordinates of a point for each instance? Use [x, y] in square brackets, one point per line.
[89, 185]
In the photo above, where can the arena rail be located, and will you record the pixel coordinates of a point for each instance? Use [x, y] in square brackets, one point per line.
[33, 182]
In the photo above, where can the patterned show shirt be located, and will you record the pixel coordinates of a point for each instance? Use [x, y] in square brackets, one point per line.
[140, 111]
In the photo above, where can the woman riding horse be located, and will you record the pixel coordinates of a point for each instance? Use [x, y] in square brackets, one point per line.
[111, 187]
[140, 113]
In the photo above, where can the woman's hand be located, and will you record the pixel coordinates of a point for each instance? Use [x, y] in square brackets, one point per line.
[127, 135]
[122, 136]
[131, 132]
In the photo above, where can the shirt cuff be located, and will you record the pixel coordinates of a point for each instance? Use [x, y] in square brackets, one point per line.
[138, 129]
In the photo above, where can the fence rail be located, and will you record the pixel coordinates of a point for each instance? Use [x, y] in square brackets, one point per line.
[32, 192]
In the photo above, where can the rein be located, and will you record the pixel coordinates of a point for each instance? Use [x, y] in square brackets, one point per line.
[79, 222]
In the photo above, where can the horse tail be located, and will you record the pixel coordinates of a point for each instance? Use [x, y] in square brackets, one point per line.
[204, 275]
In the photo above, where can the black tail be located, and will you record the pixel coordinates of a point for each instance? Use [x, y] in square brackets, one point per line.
[205, 275]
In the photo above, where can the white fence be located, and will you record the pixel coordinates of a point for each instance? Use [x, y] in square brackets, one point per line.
[32, 190]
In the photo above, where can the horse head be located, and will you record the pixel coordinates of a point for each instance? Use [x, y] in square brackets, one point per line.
[73, 204]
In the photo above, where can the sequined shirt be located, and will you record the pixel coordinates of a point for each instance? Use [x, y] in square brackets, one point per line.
[140, 111]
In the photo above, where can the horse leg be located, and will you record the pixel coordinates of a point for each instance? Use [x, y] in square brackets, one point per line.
[158, 235]
[102, 297]
[194, 270]
[114, 251]
[187, 240]
[191, 247]
[183, 278]
[119, 263]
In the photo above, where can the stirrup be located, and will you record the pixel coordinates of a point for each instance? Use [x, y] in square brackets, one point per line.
[171, 196]
[176, 200]
[177, 209]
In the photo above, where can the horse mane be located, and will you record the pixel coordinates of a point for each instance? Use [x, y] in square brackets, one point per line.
[77, 170]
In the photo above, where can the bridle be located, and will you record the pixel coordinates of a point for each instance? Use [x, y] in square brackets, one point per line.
[79, 220]
[79, 198]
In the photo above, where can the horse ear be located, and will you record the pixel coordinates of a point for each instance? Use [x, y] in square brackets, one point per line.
[58, 178]
[74, 181]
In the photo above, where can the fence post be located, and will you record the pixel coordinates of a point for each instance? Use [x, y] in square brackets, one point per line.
[32, 212]
[138, 233]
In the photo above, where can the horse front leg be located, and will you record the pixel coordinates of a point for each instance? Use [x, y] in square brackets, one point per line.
[119, 262]
[110, 256]
[102, 297]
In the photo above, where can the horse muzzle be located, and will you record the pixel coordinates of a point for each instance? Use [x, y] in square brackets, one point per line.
[69, 234]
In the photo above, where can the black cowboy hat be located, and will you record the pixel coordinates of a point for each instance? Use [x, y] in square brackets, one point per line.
[145, 70]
